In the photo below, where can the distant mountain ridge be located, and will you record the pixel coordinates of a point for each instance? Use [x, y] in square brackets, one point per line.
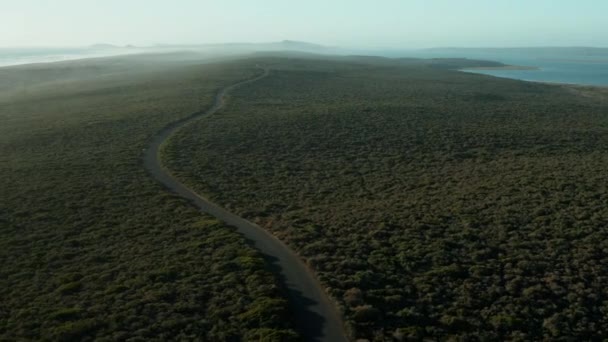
[103, 46]
[284, 45]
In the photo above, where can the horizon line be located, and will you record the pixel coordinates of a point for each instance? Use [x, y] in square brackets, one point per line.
[392, 48]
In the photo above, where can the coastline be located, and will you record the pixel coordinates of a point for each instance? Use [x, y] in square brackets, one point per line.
[595, 91]
[574, 85]
[504, 67]
[7, 60]
[480, 71]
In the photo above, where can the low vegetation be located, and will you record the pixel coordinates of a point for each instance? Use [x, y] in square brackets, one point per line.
[431, 203]
[91, 247]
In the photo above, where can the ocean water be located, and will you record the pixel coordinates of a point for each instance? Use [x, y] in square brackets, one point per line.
[19, 56]
[586, 66]
[557, 71]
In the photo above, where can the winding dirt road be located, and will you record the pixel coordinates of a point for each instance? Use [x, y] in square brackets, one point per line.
[317, 318]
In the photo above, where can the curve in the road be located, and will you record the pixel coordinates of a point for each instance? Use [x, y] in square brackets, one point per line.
[316, 316]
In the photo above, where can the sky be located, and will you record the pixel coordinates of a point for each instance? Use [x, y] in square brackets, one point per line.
[395, 24]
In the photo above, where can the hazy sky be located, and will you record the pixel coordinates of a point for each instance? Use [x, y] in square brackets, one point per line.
[344, 23]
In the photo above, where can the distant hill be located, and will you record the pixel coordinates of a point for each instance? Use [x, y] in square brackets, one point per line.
[239, 48]
[294, 44]
[442, 52]
[103, 46]
[273, 46]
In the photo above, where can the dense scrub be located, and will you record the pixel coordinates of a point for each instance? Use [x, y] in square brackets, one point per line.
[90, 246]
[431, 203]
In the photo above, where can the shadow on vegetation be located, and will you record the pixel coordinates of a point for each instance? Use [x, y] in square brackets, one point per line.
[307, 322]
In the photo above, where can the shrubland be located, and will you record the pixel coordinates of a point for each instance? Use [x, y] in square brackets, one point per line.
[91, 246]
[431, 203]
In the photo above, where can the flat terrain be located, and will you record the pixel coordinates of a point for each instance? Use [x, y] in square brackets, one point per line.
[315, 315]
[91, 247]
[431, 203]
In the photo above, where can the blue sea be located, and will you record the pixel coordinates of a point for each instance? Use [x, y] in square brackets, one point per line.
[555, 71]
[586, 66]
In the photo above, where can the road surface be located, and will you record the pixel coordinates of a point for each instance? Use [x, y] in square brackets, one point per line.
[316, 316]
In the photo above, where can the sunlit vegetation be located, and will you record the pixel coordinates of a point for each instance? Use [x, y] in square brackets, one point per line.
[90, 246]
[431, 203]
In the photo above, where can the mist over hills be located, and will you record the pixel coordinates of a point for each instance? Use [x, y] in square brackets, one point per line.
[16, 56]
[579, 65]
[29, 55]
[302, 46]
[241, 48]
